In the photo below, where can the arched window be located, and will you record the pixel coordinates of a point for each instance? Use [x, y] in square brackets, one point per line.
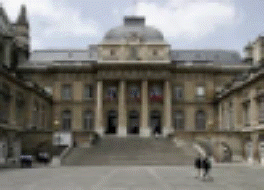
[200, 120]
[66, 120]
[178, 118]
[88, 120]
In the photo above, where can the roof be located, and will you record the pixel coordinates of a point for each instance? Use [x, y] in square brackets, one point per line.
[134, 27]
[60, 55]
[209, 55]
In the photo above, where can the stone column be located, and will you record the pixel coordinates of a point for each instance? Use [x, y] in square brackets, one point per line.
[255, 147]
[122, 112]
[144, 116]
[167, 129]
[99, 109]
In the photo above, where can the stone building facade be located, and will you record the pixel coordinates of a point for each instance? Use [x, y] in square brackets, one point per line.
[23, 105]
[132, 82]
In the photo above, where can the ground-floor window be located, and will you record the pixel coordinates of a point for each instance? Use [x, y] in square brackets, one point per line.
[200, 120]
[88, 120]
[178, 119]
[66, 120]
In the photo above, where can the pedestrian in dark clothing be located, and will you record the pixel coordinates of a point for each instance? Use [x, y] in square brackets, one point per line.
[198, 165]
[155, 131]
[206, 167]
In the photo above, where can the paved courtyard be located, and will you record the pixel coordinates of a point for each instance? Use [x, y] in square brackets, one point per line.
[148, 177]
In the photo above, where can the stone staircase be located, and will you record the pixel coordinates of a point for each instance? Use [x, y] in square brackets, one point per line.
[133, 151]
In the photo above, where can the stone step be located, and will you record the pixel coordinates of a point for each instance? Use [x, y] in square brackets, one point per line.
[132, 151]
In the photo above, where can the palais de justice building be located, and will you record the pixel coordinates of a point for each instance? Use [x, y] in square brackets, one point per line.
[132, 82]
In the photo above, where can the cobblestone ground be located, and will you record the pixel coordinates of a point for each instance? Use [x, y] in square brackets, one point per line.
[231, 177]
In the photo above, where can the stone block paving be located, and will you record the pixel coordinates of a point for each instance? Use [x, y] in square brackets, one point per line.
[233, 177]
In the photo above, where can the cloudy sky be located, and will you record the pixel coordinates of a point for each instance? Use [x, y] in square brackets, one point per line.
[186, 24]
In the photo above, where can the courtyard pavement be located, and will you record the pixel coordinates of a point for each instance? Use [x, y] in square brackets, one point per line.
[233, 177]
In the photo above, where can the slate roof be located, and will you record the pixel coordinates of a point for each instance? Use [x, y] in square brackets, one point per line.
[210, 55]
[60, 55]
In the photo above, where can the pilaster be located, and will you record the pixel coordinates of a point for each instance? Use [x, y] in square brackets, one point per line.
[253, 108]
[144, 116]
[122, 111]
[255, 147]
[167, 109]
[99, 109]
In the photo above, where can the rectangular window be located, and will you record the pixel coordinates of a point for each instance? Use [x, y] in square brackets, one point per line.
[178, 92]
[246, 114]
[87, 91]
[261, 109]
[200, 91]
[66, 92]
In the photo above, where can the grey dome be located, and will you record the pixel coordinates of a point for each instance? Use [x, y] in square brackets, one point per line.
[134, 26]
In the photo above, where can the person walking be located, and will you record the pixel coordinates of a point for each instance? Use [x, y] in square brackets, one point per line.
[198, 166]
[206, 165]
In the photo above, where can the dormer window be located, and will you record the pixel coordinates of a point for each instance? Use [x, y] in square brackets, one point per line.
[155, 52]
[112, 52]
[197, 56]
[216, 56]
[70, 55]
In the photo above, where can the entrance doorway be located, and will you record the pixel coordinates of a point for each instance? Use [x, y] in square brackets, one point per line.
[112, 122]
[155, 121]
[133, 127]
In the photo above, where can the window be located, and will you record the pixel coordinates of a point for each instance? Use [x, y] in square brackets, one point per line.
[155, 52]
[156, 93]
[20, 104]
[200, 120]
[178, 120]
[134, 53]
[43, 116]
[112, 52]
[197, 56]
[88, 120]
[87, 92]
[66, 120]
[35, 114]
[4, 103]
[200, 91]
[216, 57]
[246, 114]
[66, 92]
[134, 92]
[261, 109]
[230, 116]
[178, 92]
[111, 93]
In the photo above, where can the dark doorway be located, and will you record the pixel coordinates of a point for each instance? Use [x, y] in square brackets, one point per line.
[155, 121]
[112, 122]
[133, 127]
